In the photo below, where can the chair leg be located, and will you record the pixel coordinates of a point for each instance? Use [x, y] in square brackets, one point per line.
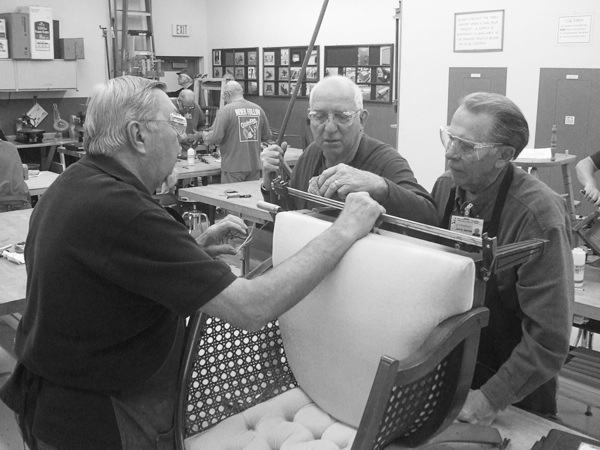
[588, 411]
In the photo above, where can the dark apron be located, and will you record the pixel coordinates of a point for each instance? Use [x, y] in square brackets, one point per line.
[504, 332]
[145, 415]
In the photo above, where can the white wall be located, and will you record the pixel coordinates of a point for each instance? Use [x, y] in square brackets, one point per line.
[277, 23]
[530, 36]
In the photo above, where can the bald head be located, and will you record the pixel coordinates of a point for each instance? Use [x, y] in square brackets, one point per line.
[233, 91]
[187, 98]
[338, 86]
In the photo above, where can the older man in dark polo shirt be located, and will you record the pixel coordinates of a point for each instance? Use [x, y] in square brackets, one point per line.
[111, 277]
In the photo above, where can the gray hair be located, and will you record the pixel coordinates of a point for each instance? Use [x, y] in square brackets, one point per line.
[340, 80]
[112, 106]
[509, 124]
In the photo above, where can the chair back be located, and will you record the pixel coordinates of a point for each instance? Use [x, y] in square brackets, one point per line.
[385, 297]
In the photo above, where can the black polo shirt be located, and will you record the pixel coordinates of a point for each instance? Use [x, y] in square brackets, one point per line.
[109, 274]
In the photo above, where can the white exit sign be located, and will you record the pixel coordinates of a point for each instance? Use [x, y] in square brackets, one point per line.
[180, 29]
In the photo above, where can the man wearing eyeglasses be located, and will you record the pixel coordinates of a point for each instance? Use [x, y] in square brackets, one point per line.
[188, 107]
[526, 342]
[112, 276]
[343, 159]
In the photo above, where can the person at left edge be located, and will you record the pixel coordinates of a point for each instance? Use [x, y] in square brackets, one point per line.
[111, 277]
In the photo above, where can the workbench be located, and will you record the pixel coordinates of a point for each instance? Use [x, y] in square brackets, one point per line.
[47, 147]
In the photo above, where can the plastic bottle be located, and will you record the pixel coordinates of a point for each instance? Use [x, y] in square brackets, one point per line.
[578, 265]
[191, 156]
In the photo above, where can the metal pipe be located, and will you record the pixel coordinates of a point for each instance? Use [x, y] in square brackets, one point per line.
[290, 105]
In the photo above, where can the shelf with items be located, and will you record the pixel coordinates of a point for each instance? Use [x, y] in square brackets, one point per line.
[369, 66]
[241, 64]
[282, 66]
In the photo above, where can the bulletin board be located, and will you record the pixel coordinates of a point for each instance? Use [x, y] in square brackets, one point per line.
[239, 63]
[369, 66]
[281, 70]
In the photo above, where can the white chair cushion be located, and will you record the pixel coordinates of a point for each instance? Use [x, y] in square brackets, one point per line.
[290, 421]
[384, 298]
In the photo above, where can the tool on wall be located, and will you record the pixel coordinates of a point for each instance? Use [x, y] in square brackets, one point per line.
[285, 168]
[59, 124]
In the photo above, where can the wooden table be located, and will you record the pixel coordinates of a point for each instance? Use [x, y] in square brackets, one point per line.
[47, 148]
[39, 184]
[13, 228]
[525, 429]
[587, 299]
[214, 195]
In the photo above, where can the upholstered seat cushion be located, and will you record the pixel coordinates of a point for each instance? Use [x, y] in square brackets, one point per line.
[385, 297]
[290, 421]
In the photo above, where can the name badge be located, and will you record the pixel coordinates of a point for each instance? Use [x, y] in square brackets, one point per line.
[466, 225]
[188, 116]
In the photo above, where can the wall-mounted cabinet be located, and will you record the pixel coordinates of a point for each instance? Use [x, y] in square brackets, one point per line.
[36, 75]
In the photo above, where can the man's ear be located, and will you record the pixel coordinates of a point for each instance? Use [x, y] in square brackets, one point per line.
[364, 114]
[505, 155]
[136, 137]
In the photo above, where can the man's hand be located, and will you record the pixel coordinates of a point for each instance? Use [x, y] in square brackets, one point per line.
[343, 179]
[592, 194]
[359, 214]
[211, 239]
[170, 181]
[478, 409]
[272, 156]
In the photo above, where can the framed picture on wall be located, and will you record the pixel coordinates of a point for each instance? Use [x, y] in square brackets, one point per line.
[252, 73]
[363, 56]
[239, 73]
[269, 88]
[480, 31]
[240, 59]
[218, 72]
[228, 58]
[269, 73]
[385, 55]
[269, 58]
[216, 57]
[331, 71]
[284, 73]
[312, 73]
[294, 73]
[252, 88]
[229, 71]
[252, 59]
[285, 57]
[284, 89]
[363, 75]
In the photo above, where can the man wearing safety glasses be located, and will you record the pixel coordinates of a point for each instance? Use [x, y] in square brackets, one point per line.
[527, 339]
[343, 159]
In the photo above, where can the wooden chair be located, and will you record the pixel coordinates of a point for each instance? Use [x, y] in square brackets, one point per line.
[410, 401]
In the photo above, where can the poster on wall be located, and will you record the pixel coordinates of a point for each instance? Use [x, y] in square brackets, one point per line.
[481, 31]
[574, 29]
